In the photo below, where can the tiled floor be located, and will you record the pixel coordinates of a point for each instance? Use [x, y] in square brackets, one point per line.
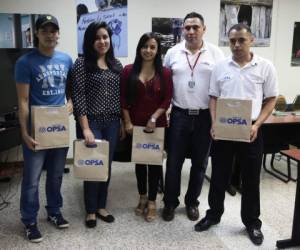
[132, 232]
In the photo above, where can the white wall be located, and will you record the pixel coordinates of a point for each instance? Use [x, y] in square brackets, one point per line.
[140, 12]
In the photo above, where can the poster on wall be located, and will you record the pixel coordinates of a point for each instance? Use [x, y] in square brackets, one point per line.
[16, 30]
[296, 45]
[255, 13]
[113, 12]
[169, 31]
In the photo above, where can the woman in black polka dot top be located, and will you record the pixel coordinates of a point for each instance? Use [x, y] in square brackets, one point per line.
[96, 98]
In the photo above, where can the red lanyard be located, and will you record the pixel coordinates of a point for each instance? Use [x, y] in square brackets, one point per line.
[192, 68]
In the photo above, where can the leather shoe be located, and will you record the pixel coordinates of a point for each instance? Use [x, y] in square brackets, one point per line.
[168, 213]
[192, 212]
[231, 190]
[108, 218]
[204, 224]
[90, 223]
[255, 235]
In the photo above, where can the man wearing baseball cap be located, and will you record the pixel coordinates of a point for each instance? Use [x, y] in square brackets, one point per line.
[41, 76]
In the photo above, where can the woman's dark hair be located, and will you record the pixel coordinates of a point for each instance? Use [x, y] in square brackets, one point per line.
[133, 78]
[81, 9]
[91, 55]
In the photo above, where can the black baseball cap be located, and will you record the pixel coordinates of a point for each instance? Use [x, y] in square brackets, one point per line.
[46, 19]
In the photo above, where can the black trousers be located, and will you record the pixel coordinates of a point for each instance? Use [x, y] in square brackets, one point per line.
[250, 155]
[153, 172]
[187, 132]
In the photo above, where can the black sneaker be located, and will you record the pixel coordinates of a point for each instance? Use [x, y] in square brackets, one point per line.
[33, 234]
[58, 221]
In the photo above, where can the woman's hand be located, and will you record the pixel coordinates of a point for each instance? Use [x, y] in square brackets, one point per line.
[151, 125]
[128, 127]
[122, 131]
[70, 107]
[88, 137]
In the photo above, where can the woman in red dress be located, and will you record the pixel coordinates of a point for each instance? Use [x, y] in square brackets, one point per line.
[146, 92]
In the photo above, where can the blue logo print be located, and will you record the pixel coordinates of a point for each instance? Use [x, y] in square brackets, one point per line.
[233, 121]
[53, 128]
[90, 162]
[151, 146]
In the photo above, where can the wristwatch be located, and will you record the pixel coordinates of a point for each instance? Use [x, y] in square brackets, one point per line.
[153, 120]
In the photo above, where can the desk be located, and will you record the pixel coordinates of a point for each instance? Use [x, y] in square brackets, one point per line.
[278, 133]
[9, 137]
[295, 239]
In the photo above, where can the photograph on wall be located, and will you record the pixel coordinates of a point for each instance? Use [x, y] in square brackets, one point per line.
[296, 45]
[113, 12]
[16, 30]
[169, 31]
[257, 14]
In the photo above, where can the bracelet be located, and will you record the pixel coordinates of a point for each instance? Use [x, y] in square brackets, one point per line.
[153, 120]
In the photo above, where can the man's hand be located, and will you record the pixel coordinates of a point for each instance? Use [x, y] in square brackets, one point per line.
[29, 141]
[253, 132]
[212, 131]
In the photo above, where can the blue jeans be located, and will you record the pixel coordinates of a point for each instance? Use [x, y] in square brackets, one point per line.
[187, 131]
[95, 192]
[53, 160]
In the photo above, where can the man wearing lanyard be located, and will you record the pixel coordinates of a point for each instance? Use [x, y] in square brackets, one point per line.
[191, 62]
[243, 75]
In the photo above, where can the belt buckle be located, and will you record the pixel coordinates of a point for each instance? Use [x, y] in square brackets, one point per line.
[193, 111]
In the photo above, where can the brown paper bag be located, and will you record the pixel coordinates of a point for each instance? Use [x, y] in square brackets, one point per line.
[91, 162]
[147, 148]
[233, 120]
[50, 126]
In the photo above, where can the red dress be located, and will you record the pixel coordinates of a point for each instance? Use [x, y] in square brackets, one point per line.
[148, 98]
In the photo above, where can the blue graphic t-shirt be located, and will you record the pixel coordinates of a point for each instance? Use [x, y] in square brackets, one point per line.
[46, 75]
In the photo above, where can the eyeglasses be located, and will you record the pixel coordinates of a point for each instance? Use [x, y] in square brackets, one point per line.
[240, 40]
[194, 27]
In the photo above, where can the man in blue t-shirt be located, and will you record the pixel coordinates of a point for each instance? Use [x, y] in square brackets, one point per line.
[41, 76]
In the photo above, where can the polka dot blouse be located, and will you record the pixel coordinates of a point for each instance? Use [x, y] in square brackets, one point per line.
[95, 94]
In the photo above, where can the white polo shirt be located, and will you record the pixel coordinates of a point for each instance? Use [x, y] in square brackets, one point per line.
[183, 95]
[255, 81]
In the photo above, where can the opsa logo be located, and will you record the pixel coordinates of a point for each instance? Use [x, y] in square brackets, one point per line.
[233, 120]
[53, 128]
[151, 146]
[90, 162]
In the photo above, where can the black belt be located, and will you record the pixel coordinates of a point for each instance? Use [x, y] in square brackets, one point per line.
[190, 111]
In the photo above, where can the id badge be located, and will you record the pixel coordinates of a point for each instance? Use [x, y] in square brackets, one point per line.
[191, 86]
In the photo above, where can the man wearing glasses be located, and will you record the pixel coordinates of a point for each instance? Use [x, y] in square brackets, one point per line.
[243, 75]
[191, 62]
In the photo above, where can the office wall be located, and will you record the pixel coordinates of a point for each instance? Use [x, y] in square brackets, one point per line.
[140, 12]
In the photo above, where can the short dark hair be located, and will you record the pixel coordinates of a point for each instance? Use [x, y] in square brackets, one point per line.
[89, 53]
[239, 27]
[194, 15]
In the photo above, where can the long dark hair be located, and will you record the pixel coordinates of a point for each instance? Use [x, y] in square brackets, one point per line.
[131, 92]
[89, 53]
